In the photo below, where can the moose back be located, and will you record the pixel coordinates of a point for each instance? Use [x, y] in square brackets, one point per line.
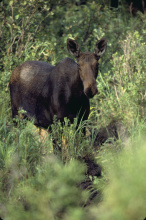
[64, 90]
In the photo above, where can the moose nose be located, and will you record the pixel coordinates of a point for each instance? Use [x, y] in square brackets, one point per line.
[90, 92]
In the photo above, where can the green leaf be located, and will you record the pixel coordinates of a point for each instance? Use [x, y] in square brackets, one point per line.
[11, 3]
[16, 17]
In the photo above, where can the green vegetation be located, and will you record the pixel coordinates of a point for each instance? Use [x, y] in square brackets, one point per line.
[35, 184]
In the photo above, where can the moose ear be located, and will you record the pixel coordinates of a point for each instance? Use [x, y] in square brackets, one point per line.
[100, 47]
[73, 47]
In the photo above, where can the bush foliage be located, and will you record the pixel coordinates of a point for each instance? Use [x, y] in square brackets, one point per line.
[35, 184]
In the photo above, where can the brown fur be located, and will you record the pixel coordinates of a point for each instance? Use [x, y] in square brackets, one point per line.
[64, 90]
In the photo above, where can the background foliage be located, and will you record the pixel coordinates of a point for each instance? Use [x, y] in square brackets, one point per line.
[34, 184]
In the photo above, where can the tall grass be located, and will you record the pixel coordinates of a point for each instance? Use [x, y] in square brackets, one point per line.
[35, 184]
[125, 194]
[122, 88]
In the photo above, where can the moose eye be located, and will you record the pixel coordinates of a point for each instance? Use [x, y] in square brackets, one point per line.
[79, 67]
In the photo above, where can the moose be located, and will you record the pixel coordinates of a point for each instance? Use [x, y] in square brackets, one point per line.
[43, 90]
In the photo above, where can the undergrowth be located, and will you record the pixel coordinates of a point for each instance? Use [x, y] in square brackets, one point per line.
[36, 184]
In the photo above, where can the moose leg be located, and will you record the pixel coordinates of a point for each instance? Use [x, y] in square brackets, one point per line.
[57, 147]
[57, 141]
[14, 111]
